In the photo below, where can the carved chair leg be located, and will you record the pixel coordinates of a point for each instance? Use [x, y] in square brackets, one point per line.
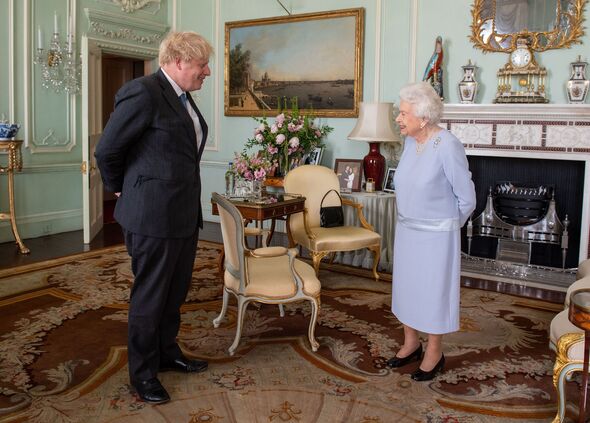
[376, 257]
[315, 308]
[317, 258]
[219, 318]
[564, 373]
[242, 305]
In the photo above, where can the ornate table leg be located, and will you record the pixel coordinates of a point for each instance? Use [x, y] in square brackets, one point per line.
[22, 248]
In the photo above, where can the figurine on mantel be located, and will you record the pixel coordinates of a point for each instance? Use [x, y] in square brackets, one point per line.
[577, 86]
[434, 72]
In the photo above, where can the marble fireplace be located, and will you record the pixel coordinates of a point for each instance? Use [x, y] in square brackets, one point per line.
[536, 143]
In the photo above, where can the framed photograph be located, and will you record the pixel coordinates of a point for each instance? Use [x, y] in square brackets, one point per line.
[315, 57]
[388, 184]
[315, 156]
[350, 174]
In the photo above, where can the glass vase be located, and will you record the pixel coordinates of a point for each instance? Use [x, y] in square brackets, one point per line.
[248, 188]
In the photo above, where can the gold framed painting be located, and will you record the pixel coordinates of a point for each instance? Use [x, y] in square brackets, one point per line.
[313, 57]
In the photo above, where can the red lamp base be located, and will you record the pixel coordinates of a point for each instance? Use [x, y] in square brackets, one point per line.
[374, 165]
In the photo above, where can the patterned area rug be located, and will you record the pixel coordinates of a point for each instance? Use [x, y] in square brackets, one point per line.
[63, 356]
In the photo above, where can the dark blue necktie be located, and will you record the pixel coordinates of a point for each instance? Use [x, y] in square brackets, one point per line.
[183, 99]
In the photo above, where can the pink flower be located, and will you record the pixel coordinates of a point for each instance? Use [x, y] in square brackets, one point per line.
[281, 139]
[294, 142]
[280, 118]
[261, 127]
[272, 150]
[259, 137]
[274, 128]
[259, 174]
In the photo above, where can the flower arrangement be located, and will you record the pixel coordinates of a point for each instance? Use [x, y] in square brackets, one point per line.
[291, 136]
[251, 167]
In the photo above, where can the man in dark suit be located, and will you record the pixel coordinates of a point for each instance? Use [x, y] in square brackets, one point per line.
[149, 155]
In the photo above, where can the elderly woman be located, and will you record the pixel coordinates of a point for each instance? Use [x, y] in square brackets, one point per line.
[435, 197]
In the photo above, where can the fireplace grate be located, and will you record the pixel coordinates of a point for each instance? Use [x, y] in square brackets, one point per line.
[520, 214]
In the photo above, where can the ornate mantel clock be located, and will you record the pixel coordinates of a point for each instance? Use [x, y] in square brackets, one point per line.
[521, 80]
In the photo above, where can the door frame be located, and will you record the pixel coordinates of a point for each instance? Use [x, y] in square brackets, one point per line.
[121, 49]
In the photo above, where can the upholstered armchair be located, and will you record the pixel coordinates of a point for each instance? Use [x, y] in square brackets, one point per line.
[269, 275]
[313, 181]
[567, 340]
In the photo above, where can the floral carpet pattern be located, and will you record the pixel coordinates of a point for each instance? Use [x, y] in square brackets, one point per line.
[63, 355]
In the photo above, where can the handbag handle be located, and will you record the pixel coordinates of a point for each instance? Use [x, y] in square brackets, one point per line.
[322, 202]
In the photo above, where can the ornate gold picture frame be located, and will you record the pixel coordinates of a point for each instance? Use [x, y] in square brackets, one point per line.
[316, 57]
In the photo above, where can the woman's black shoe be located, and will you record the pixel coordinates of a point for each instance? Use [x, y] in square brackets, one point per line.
[402, 361]
[421, 376]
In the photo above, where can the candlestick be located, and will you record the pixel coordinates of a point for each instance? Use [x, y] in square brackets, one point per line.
[39, 37]
[55, 23]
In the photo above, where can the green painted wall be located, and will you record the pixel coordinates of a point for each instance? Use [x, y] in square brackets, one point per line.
[49, 190]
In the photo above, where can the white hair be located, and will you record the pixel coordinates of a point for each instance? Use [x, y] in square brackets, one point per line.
[427, 104]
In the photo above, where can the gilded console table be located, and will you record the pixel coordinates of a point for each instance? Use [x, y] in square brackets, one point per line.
[15, 164]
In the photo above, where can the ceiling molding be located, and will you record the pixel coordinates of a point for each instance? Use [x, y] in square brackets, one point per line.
[123, 27]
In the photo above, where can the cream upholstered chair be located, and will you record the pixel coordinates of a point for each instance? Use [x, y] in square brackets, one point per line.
[269, 275]
[567, 340]
[583, 269]
[313, 181]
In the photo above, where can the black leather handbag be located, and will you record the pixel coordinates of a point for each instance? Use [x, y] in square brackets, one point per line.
[331, 216]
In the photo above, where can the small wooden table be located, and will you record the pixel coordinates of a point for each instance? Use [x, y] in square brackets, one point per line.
[579, 315]
[15, 163]
[271, 206]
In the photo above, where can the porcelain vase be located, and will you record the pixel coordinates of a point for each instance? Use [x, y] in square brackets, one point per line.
[577, 86]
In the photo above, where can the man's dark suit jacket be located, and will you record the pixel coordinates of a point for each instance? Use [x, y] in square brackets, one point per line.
[148, 152]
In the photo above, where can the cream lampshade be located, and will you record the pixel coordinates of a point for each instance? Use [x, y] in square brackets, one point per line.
[375, 125]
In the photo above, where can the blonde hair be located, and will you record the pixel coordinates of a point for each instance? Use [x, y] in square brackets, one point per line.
[186, 45]
[427, 104]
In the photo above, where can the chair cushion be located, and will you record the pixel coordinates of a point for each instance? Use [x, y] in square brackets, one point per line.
[583, 269]
[271, 278]
[583, 283]
[343, 238]
[561, 325]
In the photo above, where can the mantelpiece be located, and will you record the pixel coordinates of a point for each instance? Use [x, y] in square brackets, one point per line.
[536, 131]
[518, 111]
[521, 127]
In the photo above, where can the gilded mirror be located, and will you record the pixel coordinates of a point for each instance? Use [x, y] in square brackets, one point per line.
[547, 24]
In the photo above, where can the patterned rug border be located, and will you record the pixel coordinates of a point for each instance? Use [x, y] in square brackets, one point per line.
[47, 264]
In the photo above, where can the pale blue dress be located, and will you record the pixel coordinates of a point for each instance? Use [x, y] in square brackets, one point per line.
[435, 196]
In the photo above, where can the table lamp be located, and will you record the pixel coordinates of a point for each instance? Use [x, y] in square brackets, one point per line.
[375, 125]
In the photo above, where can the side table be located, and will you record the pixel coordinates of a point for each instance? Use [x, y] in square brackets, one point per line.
[380, 211]
[579, 315]
[15, 163]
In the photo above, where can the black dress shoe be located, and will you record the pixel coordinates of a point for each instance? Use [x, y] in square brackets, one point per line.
[151, 391]
[402, 361]
[183, 364]
[421, 376]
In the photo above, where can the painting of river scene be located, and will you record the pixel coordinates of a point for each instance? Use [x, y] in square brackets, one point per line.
[315, 58]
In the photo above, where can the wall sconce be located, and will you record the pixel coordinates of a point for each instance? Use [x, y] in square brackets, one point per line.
[375, 125]
[60, 69]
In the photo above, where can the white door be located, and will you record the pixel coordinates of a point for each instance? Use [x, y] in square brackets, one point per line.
[92, 190]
